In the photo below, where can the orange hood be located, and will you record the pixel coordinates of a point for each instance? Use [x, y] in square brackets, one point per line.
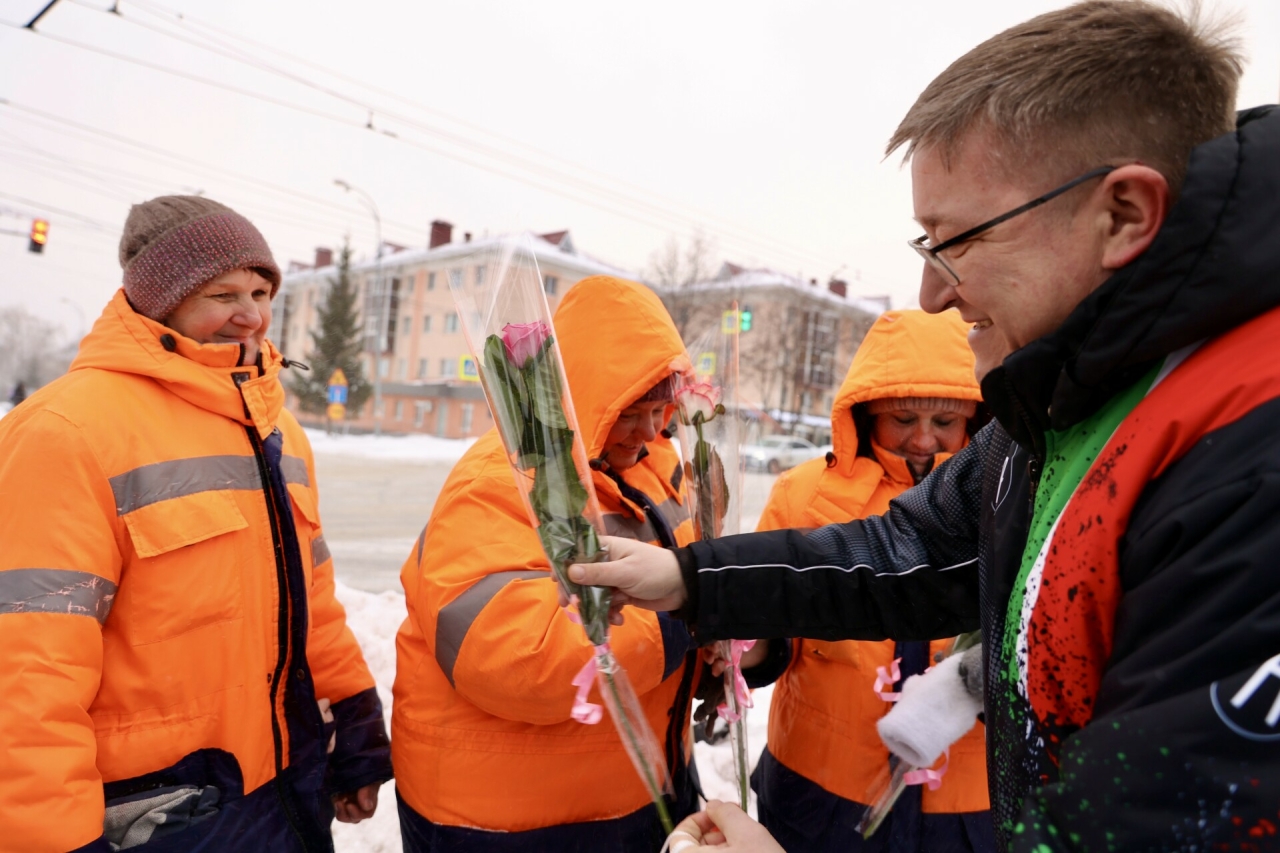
[618, 341]
[905, 354]
[124, 341]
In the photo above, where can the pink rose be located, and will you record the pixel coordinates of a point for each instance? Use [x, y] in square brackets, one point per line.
[524, 341]
[700, 398]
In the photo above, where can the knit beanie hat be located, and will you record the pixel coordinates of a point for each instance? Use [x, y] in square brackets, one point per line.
[933, 404]
[173, 244]
[664, 391]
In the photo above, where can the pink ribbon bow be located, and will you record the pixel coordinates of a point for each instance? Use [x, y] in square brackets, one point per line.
[587, 713]
[928, 776]
[741, 693]
[573, 614]
[887, 677]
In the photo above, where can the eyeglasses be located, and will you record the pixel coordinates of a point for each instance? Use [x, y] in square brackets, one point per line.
[930, 253]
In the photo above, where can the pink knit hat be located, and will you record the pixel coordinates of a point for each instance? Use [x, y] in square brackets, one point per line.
[173, 244]
[932, 404]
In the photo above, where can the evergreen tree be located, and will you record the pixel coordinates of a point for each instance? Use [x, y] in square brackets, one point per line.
[336, 343]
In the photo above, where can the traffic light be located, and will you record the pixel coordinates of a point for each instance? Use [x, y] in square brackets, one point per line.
[746, 318]
[39, 235]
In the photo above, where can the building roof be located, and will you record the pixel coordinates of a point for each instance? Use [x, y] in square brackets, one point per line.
[736, 278]
[559, 251]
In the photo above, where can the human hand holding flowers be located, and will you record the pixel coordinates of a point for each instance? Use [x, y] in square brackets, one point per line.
[724, 827]
[752, 657]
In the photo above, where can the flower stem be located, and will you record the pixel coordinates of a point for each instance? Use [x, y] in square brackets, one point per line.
[628, 732]
[737, 733]
[741, 761]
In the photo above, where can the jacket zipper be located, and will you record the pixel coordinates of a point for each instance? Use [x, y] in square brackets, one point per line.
[1038, 451]
[282, 621]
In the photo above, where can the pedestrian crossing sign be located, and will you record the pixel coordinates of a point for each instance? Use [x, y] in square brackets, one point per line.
[731, 322]
[706, 364]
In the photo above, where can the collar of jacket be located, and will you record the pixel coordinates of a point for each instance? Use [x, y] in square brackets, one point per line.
[607, 482]
[205, 375]
[897, 470]
[1214, 265]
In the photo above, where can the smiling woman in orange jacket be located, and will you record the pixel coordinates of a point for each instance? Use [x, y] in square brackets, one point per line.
[487, 756]
[178, 675]
[906, 396]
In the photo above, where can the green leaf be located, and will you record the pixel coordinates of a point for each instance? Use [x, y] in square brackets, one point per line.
[542, 378]
[709, 489]
[507, 393]
[719, 485]
[557, 491]
[588, 543]
[531, 460]
[574, 540]
[542, 440]
[559, 542]
[701, 455]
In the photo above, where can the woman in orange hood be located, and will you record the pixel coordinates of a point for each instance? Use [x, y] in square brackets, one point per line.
[488, 757]
[907, 403]
[178, 674]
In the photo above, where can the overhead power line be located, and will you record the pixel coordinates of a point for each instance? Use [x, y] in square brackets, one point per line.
[41, 207]
[134, 186]
[544, 178]
[79, 130]
[338, 119]
[253, 58]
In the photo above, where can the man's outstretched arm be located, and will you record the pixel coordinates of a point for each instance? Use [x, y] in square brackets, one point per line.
[910, 574]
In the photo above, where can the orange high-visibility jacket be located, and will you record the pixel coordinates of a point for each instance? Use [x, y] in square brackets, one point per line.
[481, 729]
[146, 620]
[823, 714]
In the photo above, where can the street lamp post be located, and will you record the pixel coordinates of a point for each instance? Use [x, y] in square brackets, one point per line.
[380, 302]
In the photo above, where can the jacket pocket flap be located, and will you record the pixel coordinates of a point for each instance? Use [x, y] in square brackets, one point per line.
[168, 525]
[305, 501]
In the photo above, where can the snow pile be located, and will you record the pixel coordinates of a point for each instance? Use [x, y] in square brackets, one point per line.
[715, 763]
[375, 618]
[408, 448]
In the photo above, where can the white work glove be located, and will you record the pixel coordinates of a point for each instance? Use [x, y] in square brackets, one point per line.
[934, 710]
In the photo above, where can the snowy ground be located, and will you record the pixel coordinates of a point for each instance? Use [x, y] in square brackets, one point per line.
[375, 618]
[405, 448]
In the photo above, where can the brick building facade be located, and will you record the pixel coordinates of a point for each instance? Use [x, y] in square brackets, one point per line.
[429, 383]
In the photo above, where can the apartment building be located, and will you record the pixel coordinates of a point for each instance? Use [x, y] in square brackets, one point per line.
[429, 381]
[796, 341]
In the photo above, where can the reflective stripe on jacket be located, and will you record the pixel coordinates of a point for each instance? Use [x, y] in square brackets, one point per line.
[482, 733]
[823, 714]
[166, 601]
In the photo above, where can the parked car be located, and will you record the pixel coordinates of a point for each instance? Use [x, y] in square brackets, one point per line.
[777, 453]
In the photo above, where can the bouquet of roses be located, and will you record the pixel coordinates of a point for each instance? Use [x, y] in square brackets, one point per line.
[523, 378]
[700, 407]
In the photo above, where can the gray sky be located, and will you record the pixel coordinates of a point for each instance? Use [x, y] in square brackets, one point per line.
[762, 123]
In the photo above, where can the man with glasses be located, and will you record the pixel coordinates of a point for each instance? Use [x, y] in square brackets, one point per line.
[1111, 230]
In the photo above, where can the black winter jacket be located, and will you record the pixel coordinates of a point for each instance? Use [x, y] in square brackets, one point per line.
[1165, 763]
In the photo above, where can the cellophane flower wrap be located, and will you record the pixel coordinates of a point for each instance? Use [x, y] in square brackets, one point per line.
[899, 774]
[508, 327]
[710, 435]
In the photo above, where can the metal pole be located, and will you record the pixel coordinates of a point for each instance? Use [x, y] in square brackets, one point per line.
[383, 305]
